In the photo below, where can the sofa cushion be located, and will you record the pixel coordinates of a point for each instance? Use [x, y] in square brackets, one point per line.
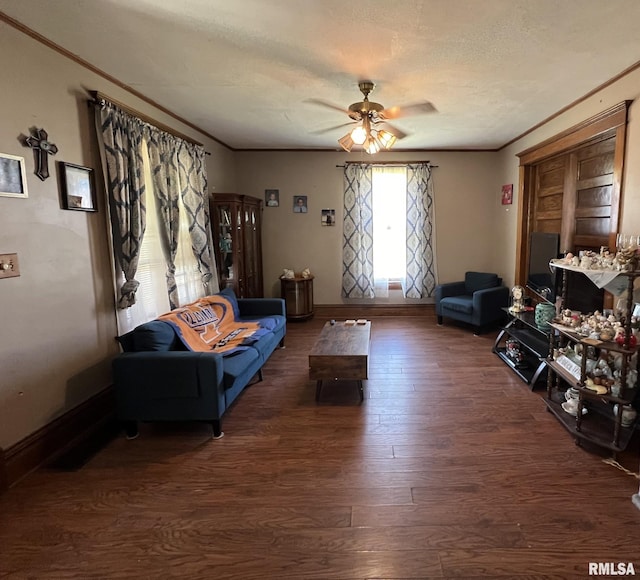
[474, 281]
[155, 336]
[240, 366]
[230, 295]
[273, 323]
[462, 304]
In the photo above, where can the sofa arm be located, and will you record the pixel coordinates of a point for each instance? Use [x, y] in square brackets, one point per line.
[261, 306]
[488, 304]
[169, 386]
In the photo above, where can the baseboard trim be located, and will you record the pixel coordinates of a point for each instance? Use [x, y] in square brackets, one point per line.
[371, 310]
[74, 427]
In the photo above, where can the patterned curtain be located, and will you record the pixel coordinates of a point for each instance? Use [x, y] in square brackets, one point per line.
[421, 278]
[357, 242]
[162, 149]
[193, 182]
[120, 139]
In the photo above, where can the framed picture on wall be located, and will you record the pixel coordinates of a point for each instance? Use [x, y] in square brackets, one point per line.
[507, 194]
[13, 177]
[272, 197]
[78, 191]
[328, 217]
[299, 204]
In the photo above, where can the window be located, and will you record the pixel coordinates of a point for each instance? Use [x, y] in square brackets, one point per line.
[152, 299]
[389, 186]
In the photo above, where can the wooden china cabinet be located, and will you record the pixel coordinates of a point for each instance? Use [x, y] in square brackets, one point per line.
[237, 230]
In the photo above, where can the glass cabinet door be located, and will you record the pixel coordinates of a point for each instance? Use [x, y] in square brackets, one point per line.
[225, 245]
[236, 228]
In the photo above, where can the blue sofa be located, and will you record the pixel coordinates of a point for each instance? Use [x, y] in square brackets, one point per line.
[478, 300]
[157, 378]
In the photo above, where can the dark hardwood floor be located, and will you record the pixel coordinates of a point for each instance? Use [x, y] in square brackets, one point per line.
[451, 468]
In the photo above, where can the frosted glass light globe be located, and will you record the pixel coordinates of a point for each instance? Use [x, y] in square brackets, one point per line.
[359, 135]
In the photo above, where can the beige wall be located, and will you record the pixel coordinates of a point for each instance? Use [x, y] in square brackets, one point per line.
[626, 89]
[57, 325]
[467, 204]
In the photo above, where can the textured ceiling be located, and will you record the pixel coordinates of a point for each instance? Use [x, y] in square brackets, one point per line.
[244, 70]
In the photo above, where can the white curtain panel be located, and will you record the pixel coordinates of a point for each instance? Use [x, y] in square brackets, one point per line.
[120, 141]
[420, 281]
[357, 240]
[162, 149]
[193, 184]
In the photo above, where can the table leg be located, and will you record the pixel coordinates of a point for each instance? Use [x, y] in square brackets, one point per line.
[361, 389]
[318, 389]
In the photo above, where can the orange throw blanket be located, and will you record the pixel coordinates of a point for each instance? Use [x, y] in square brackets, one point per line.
[209, 325]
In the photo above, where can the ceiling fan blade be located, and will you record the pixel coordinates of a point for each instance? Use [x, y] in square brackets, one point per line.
[408, 110]
[322, 131]
[327, 105]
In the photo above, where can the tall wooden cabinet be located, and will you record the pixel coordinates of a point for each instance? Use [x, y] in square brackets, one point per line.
[570, 184]
[237, 230]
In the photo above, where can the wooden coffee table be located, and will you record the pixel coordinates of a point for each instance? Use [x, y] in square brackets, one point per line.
[341, 352]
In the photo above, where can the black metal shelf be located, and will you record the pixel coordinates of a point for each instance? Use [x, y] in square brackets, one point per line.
[534, 343]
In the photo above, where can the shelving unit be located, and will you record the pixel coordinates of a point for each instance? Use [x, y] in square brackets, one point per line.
[533, 345]
[599, 425]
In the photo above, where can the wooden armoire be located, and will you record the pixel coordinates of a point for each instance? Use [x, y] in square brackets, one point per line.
[570, 185]
[237, 238]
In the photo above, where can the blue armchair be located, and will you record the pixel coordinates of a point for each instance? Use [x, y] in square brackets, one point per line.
[478, 300]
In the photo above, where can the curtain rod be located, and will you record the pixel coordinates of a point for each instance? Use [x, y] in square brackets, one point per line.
[399, 163]
[97, 96]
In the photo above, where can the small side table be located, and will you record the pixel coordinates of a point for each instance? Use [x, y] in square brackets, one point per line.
[298, 296]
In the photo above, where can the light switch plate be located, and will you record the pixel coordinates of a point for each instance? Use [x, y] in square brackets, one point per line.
[9, 266]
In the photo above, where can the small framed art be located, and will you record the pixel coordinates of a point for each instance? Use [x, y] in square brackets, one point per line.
[78, 190]
[507, 194]
[272, 197]
[299, 204]
[328, 217]
[13, 177]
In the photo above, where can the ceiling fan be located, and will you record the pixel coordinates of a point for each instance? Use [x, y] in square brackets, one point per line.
[373, 131]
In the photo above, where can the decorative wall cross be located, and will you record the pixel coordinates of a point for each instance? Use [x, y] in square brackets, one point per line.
[42, 147]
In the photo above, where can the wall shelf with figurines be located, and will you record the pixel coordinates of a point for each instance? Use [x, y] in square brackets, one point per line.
[592, 382]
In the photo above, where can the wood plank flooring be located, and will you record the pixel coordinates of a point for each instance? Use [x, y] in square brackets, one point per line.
[451, 468]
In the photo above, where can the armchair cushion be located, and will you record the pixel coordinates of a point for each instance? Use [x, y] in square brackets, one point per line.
[474, 281]
[462, 304]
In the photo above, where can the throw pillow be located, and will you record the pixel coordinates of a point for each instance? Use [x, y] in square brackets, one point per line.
[230, 295]
[154, 335]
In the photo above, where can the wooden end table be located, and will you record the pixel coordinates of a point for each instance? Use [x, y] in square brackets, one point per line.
[341, 352]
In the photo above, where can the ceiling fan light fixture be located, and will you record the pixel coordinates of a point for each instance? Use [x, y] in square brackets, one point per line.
[371, 146]
[346, 142]
[386, 139]
[359, 135]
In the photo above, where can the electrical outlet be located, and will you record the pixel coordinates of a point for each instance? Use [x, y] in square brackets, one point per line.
[9, 266]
